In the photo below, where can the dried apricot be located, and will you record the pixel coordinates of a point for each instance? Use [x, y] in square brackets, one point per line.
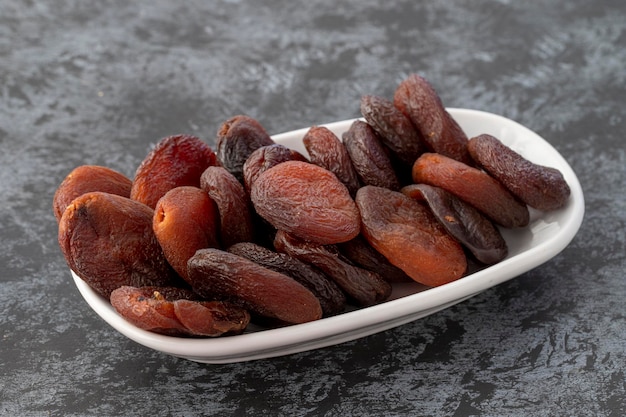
[409, 236]
[87, 178]
[369, 157]
[108, 241]
[216, 274]
[473, 186]
[418, 100]
[237, 138]
[306, 200]
[266, 157]
[362, 254]
[463, 221]
[541, 187]
[175, 161]
[326, 150]
[185, 220]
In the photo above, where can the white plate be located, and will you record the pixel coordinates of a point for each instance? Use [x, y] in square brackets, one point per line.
[545, 237]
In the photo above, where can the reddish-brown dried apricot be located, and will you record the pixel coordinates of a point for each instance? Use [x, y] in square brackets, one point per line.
[233, 205]
[331, 298]
[326, 150]
[108, 241]
[394, 129]
[216, 274]
[164, 310]
[306, 200]
[364, 287]
[418, 100]
[175, 161]
[541, 187]
[87, 178]
[473, 186]
[237, 138]
[266, 157]
[185, 220]
[463, 221]
[361, 253]
[409, 236]
[369, 157]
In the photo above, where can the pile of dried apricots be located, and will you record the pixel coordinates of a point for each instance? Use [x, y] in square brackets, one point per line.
[201, 242]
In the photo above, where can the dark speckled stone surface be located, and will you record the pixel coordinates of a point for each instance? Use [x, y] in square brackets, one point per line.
[99, 82]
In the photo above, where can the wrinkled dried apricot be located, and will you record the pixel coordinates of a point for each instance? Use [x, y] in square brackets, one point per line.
[306, 200]
[216, 274]
[328, 293]
[233, 205]
[108, 241]
[418, 100]
[175, 161]
[362, 254]
[394, 129]
[409, 236]
[87, 178]
[473, 186]
[463, 221]
[362, 286]
[165, 310]
[369, 158]
[326, 150]
[266, 157]
[237, 138]
[541, 187]
[185, 220]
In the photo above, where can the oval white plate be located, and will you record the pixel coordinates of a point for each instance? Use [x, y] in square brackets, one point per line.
[546, 236]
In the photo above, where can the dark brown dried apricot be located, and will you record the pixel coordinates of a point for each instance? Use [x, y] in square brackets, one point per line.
[394, 129]
[331, 298]
[369, 157]
[472, 185]
[408, 235]
[185, 220]
[237, 138]
[233, 205]
[326, 150]
[361, 253]
[363, 287]
[164, 310]
[87, 178]
[108, 241]
[541, 187]
[175, 161]
[266, 157]
[306, 200]
[468, 225]
[418, 100]
[217, 274]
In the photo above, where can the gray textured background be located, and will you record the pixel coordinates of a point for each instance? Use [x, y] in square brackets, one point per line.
[99, 82]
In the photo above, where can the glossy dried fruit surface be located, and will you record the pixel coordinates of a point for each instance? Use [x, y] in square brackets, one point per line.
[418, 100]
[331, 298]
[87, 178]
[306, 200]
[185, 220]
[473, 186]
[463, 221]
[369, 157]
[326, 150]
[363, 287]
[165, 310]
[237, 138]
[266, 157]
[395, 129]
[216, 274]
[409, 236]
[541, 187]
[233, 205]
[175, 161]
[108, 241]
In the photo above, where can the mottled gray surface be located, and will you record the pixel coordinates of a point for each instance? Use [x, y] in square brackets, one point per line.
[98, 82]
